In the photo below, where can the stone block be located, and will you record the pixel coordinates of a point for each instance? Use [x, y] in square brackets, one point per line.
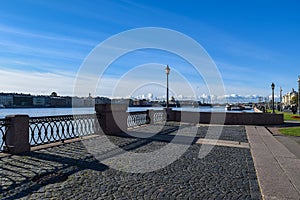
[17, 137]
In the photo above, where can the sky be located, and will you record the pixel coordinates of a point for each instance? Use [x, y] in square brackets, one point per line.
[45, 44]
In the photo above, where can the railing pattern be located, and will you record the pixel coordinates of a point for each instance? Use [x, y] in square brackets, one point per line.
[159, 117]
[4, 123]
[140, 118]
[58, 128]
[136, 119]
[43, 130]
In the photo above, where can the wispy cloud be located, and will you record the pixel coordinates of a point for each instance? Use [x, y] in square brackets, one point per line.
[37, 51]
[36, 82]
[46, 36]
[51, 39]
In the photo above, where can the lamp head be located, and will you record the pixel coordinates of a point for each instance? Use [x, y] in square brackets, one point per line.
[167, 70]
[273, 85]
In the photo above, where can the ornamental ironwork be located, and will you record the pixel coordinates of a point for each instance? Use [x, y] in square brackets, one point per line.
[49, 129]
[137, 119]
[159, 117]
[4, 123]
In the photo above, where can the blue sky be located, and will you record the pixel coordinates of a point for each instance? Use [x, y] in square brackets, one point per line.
[253, 43]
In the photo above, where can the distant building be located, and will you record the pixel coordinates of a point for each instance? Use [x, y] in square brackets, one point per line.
[288, 98]
[53, 100]
[22, 100]
[6, 99]
[68, 101]
[140, 102]
[57, 102]
[77, 102]
[102, 100]
[122, 101]
[89, 101]
[39, 101]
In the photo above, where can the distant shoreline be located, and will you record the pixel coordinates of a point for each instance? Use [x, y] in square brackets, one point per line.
[18, 107]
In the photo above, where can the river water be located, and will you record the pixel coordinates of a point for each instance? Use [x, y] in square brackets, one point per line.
[40, 112]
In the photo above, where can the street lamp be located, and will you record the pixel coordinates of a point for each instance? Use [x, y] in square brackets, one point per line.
[280, 100]
[273, 86]
[298, 95]
[167, 72]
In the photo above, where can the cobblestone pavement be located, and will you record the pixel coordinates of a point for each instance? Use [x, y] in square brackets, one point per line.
[69, 171]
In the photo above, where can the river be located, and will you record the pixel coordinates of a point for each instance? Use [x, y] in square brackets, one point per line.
[40, 112]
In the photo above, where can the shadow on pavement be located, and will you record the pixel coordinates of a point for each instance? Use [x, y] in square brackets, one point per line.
[23, 174]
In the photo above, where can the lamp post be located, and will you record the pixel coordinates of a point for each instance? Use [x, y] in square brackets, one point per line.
[167, 72]
[273, 86]
[280, 99]
[298, 95]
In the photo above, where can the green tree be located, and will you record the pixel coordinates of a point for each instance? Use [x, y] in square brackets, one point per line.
[53, 94]
[294, 100]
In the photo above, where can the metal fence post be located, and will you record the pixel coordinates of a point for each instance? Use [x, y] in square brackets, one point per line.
[17, 135]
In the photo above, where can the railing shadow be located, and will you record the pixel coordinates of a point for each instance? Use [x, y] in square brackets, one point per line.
[23, 174]
[164, 136]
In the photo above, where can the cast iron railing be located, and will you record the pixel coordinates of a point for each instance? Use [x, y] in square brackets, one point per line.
[4, 123]
[44, 130]
[137, 119]
[159, 116]
[140, 118]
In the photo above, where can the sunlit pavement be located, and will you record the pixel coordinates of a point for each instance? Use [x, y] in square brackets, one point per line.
[276, 166]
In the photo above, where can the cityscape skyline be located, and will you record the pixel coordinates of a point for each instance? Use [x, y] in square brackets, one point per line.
[6, 99]
[43, 45]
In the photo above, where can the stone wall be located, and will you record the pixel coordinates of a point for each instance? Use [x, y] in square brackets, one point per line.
[228, 118]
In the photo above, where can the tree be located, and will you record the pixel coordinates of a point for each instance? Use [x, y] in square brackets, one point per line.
[294, 100]
[53, 94]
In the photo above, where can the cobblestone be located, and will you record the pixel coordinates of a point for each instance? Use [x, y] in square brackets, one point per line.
[69, 171]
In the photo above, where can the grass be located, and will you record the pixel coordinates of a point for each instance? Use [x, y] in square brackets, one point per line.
[295, 131]
[289, 117]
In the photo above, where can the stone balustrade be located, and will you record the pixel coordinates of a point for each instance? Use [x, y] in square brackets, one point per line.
[19, 132]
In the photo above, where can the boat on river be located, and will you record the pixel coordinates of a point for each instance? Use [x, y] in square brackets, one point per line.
[239, 107]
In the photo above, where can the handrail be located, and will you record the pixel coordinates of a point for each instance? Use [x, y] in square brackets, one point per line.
[137, 119]
[49, 129]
